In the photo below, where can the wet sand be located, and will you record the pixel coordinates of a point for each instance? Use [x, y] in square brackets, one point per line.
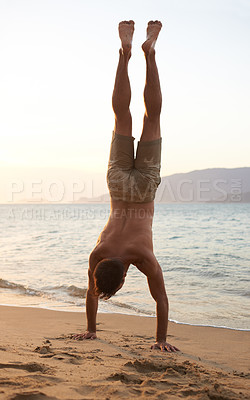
[39, 360]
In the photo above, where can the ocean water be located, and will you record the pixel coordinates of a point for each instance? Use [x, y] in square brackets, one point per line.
[203, 249]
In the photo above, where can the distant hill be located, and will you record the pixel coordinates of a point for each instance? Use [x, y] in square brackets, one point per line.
[202, 186]
[104, 198]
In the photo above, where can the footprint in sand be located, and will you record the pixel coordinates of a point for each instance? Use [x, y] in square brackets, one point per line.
[125, 378]
[145, 366]
[65, 354]
[31, 396]
[30, 367]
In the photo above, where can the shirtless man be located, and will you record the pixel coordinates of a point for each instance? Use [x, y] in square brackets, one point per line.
[127, 237]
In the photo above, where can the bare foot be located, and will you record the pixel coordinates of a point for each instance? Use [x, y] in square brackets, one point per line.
[153, 31]
[126, 31]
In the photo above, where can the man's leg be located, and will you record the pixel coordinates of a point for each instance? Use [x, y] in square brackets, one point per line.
[152, 91]
[122, 92]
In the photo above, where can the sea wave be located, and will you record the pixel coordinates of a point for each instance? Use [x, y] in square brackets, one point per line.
[213, 274]
[71, 290]
[132, 308]
[4, 284]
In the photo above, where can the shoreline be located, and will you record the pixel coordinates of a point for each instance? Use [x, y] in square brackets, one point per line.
[127, 314]
[39, 358]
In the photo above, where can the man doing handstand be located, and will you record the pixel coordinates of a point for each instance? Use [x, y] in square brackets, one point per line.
[127, 237]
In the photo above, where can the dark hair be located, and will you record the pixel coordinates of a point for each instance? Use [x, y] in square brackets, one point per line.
[108, 277]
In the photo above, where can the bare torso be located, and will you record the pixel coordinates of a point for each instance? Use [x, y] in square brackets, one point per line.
[127, 234]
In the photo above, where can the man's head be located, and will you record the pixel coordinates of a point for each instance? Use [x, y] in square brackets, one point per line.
[108, 277]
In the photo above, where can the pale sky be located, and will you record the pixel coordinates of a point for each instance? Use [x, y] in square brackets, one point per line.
[58, 63]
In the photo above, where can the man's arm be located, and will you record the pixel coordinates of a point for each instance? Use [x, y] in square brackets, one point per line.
[91, 307]
[157, 289]
[91, 304]
[158, 292]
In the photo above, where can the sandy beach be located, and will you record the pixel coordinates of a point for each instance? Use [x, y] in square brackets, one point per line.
[40, 361]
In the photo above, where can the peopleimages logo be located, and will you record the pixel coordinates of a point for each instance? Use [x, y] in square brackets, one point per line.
[184, 191]
[201, 190]
[46, 190]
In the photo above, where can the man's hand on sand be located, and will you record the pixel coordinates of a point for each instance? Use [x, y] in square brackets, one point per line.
[84, 336]
[164, 346]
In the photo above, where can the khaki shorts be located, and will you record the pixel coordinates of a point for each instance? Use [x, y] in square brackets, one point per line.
[133, 179]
